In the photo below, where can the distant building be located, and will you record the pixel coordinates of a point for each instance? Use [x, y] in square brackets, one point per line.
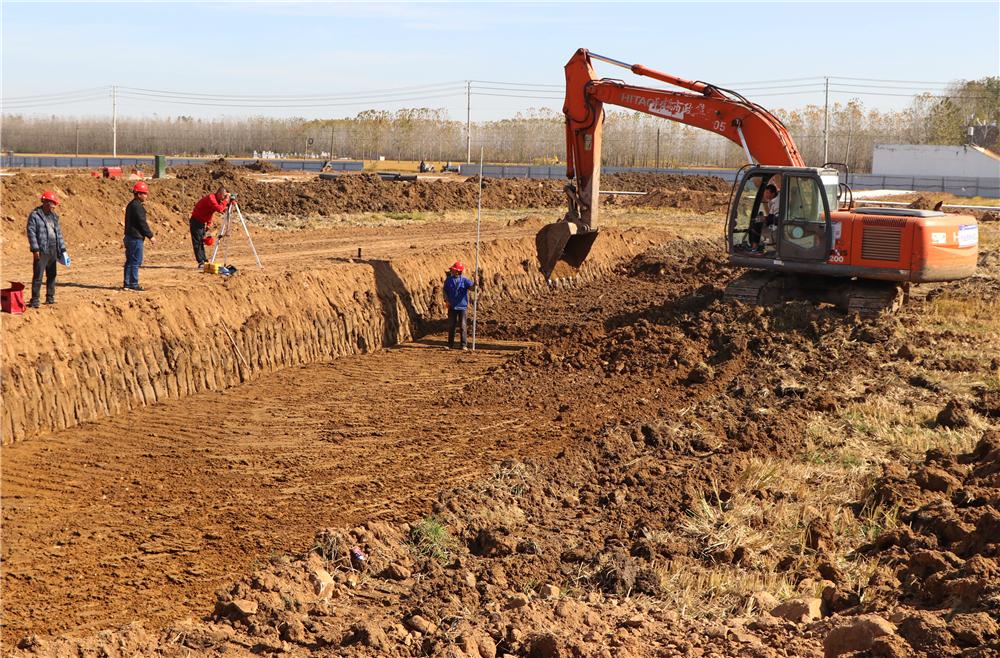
[935, 160]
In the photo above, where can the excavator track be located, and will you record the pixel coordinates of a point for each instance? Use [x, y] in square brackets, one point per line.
[754, 289]
[870, 299]
[866, 299]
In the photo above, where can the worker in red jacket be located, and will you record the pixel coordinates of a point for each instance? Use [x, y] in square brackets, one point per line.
[201, 220]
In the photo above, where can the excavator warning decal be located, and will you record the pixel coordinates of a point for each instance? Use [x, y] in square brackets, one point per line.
[667, 108]
[968, 235]
[670, 109]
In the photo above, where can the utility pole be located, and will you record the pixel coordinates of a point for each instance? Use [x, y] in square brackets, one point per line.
[114, 120]
[850, 134]
[468, 122]
[826, 122]
[331, 142]
[78, 138]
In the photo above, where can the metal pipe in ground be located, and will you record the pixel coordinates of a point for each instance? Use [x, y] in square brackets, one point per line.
[479, 221]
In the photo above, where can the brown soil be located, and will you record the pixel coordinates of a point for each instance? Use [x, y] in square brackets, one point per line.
[639, 182]
[945, 583]
[93, 208]
[702, 194]
[521, 500]
[645, 388]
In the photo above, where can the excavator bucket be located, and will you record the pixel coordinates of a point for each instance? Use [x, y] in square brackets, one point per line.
[562, 241]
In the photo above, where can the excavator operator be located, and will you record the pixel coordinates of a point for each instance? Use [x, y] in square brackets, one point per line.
[771, 203]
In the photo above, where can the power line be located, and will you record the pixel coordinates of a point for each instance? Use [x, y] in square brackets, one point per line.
[295, 97]
[961, 96]
[57, 95]
[23, 106]
[918, 82]
[382, 101]
[517, 84]
[554, 98]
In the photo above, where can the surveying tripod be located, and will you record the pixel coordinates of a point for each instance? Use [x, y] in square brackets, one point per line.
[223, 238]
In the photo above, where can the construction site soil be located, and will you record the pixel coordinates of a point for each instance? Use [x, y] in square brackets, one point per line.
[94, 207]
[525, 499]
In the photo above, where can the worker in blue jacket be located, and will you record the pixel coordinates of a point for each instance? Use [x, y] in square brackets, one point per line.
[456, 294]
[45, 239]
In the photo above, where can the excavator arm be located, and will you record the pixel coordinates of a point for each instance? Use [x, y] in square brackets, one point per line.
[762, 136]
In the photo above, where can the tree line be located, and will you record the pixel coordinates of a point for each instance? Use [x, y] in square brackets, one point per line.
[631, 139]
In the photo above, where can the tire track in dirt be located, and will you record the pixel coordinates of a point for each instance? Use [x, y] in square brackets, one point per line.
[144, 515]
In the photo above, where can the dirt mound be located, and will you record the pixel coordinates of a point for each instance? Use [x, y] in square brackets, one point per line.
[926, 202]
[698, 201]
[946, 553]
[643, 182]
[262, 167]
[702, 194]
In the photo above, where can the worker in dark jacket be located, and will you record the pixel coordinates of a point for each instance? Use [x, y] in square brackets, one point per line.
[136, 232]
[201, 220]
[45, 239]
[456, 294]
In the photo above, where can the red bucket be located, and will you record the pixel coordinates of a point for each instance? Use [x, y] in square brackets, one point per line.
[12, 299]
[209, 240]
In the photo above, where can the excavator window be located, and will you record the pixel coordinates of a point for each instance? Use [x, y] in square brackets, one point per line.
[746, 208]
[749, 205]
[805, 220]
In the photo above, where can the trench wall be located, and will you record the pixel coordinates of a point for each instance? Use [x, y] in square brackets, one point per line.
[103, 358]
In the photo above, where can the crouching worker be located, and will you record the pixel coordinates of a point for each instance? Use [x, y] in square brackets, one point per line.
[456, 294]
[45, 239]
[201, 220]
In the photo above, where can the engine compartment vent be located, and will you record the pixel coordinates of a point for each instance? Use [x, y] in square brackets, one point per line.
[881, 243]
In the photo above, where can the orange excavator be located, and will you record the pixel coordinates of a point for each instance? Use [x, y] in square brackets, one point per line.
[794, 228]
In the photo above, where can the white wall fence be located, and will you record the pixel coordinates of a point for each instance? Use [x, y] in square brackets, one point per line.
[959, 186]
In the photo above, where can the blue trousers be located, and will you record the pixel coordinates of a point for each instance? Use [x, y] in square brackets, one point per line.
[133, 259]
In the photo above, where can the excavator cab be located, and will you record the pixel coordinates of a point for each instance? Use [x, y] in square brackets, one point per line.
[800, 230]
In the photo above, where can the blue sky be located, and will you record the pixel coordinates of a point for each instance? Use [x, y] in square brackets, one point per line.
[336, 49]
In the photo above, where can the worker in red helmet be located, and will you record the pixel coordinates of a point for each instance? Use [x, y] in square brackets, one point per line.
[456, 295]
[201, 220]
[45, 239]
[137, 231]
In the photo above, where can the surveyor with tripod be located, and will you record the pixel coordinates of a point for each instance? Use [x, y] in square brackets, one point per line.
[201, 220]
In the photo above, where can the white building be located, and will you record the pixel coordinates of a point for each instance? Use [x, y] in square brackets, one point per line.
[935, 160]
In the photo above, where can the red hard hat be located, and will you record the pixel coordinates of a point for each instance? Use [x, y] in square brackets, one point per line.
[457, 267]
[209, 240]
[50, 196]
[140, 187]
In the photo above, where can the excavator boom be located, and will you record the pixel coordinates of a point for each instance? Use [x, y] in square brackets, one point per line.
[705, 106]
[782, 223]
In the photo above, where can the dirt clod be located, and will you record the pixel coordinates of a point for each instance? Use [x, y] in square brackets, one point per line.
[857, 634]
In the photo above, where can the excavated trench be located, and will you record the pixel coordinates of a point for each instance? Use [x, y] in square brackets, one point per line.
[108, 357]
[152, 475]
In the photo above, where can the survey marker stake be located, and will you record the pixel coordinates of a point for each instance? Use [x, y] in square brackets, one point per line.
[479, 220]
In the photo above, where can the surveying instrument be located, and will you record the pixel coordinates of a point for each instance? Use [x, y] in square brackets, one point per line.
[222, 240]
